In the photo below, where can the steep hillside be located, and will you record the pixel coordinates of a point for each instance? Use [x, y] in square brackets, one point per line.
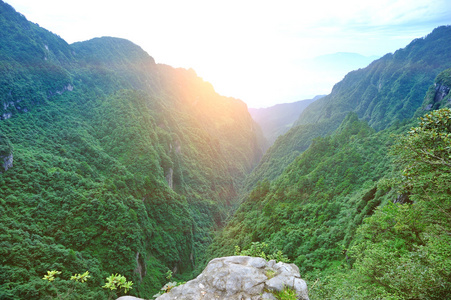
[333, 181]
[112, 163]
[391, 88]
[363, 213]
[438, 95]
[386, 92]
[278, 119]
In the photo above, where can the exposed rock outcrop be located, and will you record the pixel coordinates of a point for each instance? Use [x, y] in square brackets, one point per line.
[441, 91]
[170, 178]
[129, 298]
[240, 278]
[7, 162]
[6, 154]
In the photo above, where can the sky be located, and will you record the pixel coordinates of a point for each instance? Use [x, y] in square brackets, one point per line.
[252, 50]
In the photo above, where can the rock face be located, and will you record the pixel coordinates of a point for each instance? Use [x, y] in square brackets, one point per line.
[6, 154]
[7, 162]
[441, 91]
[240, 278]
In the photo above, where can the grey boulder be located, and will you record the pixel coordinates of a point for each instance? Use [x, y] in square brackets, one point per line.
[240, 278]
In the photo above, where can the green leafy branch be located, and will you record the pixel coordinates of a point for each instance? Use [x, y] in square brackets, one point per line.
[113, 282]
[168, 286]
[51, 276]
[117, 282]
[258, 249]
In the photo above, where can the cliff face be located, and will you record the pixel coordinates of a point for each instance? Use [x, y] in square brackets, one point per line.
[7, 161]
[6, 153]
[438, 94]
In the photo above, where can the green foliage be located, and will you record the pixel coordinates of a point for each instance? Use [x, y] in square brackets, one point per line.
[428, 145]
[391, 88]
[270, 273]
[312, 210]
[80, 277]
[77, 278]
[285, 149]
[169, 285]
[258, 249]
[166, 288]
[51, 275]
[169, 275]
[99, 133]
[117, 282]
[122, 164]
[6, 148]
[403, 250]
[286, 294]
[386, 93]
[332, 212]
[444, 78]
[411, 242]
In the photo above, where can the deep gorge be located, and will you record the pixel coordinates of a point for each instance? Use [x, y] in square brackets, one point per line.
[113, 163]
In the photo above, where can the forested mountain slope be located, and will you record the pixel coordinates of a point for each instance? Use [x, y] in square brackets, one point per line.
[112, 163]
[363, 213]
[386, 92]
[278, 119]
[391, 88]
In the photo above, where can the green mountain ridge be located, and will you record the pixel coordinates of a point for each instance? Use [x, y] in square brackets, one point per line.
[120, 165]
[391, 88]
[363, 213]
[112, 163]
[385, 93]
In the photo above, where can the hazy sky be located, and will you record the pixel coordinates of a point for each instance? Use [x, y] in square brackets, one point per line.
[250, 50]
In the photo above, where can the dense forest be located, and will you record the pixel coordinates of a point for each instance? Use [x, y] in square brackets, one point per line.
[362, 207]
[114, 164]
[387, 92]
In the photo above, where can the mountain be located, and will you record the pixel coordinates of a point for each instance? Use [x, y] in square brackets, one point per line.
[363, 209]
[111, 163]
[278, 119]
[391, 88]
[318, 75]
[385, 93]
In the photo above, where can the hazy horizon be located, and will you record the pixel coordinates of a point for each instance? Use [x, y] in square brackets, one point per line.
[249, 50]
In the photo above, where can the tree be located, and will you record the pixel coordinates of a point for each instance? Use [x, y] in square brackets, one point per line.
[404, 249]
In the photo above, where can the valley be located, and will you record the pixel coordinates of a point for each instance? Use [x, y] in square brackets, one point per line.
[113, 163]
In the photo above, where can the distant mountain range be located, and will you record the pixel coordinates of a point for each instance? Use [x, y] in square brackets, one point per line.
[278, 119]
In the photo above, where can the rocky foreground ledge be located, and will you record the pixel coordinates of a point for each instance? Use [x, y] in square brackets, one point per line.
[239, 278]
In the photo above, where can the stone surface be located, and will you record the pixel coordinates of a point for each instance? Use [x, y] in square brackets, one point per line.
[240, 278]
[7, 162]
